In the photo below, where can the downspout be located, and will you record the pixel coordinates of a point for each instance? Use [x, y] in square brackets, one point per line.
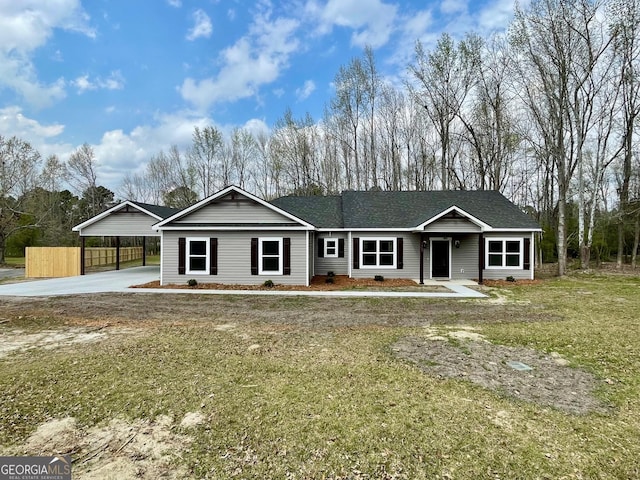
[480, 257]
[421, 259]
[350, 248]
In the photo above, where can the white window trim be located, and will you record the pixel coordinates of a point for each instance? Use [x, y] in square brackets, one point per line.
[326, 247]
[378, 240]
[504, 265]
[188, 270]
[280, 255]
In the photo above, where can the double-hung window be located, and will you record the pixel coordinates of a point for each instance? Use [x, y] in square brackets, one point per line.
[504, 253]
[270, 257]
[197, 252]
[378, 253]
[331, 247]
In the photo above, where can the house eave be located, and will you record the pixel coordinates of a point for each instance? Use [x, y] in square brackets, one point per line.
[106, 213]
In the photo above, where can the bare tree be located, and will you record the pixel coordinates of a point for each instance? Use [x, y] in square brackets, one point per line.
[206, 157]
[19, 174]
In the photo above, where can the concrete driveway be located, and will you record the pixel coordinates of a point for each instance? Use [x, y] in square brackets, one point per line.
[119, 281]
[111, 281]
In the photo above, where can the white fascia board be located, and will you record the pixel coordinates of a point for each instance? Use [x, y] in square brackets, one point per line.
[234, 228]
[369, 229]
[106, 213]
[222, 193]
[484, 226]
[499, 230]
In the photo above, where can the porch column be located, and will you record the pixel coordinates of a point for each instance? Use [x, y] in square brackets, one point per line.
[144, 251]
[421, 259]
[480, 257]
[117, 253]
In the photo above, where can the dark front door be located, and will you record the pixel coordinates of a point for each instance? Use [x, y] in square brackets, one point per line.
[440, 259]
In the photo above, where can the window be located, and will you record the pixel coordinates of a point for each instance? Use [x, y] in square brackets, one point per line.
[378, 253]
[504, 253]
[197, 255]
[331, 247]
[270, 256]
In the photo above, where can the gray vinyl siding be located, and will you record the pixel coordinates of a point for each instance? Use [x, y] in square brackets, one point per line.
[234, 258]
[464, 260]
[339, 266]
[517, 273]
[452, 225]
[411, 256]
[122, 224]
[234, 212]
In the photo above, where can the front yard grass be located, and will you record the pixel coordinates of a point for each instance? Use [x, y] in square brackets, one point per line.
[287, 399]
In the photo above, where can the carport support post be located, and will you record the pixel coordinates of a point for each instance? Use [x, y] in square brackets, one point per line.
[144, 251]
[82, 250]
[117, 253]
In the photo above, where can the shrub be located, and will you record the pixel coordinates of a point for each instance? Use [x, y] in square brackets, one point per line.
[192, 283]
[329, 279]
[379, 278]
[510, 279]
[268, 283]
[331, 274]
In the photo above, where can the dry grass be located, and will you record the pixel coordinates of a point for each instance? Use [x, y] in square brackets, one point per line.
[308, 388]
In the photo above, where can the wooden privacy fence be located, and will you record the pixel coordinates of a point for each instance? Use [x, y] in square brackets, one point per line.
[96, 256]
[52, 262]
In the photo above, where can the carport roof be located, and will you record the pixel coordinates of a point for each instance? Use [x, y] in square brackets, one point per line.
[156, 212]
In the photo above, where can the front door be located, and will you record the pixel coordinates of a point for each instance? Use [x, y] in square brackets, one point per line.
[440, 259]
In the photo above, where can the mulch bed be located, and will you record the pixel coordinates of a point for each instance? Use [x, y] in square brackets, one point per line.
[340, 282]
[505, 283]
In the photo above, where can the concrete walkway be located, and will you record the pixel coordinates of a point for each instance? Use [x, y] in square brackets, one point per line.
[120, 282]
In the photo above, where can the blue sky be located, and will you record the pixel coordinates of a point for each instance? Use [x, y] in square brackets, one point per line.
[132, 77]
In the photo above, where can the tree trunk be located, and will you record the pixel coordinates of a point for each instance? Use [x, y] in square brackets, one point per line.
[636, 241]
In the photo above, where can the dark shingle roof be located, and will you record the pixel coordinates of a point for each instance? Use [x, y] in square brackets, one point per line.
[162, 212]
[356, 209]
[322, 212]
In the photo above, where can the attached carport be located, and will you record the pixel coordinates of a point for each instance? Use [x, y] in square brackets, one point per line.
[127, 219]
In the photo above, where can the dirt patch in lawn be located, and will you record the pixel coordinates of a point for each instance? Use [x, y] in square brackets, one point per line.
[318, 283]
[121, 449]
[522, 373]
[20, 341]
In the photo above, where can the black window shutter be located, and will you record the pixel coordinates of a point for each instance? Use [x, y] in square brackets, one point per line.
[321, 247]
[341, 247]
[213, 256]
[254, 256]
[286, 252]
[527, 254]
[356, 253]
[400, 260]
[182, 254]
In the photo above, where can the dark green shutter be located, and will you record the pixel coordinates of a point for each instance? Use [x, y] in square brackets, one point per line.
[400, 246]
[182, 254]
[321, 247]
[356, 253]
[254, 256]
[286, 253]
[527, 254]
[213, 256]
[341, 247]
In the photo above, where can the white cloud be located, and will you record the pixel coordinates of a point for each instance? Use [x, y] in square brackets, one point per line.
[497, 15]
[371, 20]
[306, 90]
[13, 122]
[115, 81]
[202, 26]
[254, 60]
[453, 6]
[26, 26]
[175, 3]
